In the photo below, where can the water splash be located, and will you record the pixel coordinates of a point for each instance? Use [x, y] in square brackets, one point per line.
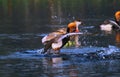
[110, 52]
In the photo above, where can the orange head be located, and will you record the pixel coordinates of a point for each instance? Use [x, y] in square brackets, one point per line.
[117, 16]
[73, 26]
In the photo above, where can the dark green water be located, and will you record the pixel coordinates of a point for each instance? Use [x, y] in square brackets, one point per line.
[24, 22]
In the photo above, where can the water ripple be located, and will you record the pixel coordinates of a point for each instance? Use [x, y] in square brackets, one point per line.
[111, 52]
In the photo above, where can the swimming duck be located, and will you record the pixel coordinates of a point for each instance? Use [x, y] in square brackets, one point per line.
[109, 25]
[56, 40]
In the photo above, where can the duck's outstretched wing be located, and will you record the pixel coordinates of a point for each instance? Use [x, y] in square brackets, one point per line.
[113, 22]
[69, 34]
[50, 37]
[63, 40]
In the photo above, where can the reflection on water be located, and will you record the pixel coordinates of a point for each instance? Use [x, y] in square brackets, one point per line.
[65, 66]
[117, 38]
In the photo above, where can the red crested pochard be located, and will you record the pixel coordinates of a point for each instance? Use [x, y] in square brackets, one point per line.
[109, 25]
[56, 40]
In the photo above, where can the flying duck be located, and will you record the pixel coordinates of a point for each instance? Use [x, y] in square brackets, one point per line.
[109, 25]
[56, 40]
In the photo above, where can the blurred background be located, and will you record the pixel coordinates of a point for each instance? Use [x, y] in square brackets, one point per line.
[21, 16]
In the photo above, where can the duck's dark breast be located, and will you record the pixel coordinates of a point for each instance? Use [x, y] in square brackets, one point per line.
[65, 40]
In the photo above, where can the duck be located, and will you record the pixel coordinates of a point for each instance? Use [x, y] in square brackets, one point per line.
[54, 41]
[109, 25]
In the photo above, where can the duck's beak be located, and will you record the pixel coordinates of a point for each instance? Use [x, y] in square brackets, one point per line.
[77, 30]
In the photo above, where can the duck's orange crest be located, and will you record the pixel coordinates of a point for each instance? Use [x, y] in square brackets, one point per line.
[117, 15]
[72, 24]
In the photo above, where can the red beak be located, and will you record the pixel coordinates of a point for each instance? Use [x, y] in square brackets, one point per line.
[77, 30]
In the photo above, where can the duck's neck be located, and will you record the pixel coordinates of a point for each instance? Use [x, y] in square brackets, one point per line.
[77, 23]
[68, 30]
[118, 22]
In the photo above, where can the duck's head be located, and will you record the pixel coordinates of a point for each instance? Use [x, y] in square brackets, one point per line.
[73, 26]
[117, 16]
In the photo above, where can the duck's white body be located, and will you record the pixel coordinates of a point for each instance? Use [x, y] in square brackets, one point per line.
[106, 27]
